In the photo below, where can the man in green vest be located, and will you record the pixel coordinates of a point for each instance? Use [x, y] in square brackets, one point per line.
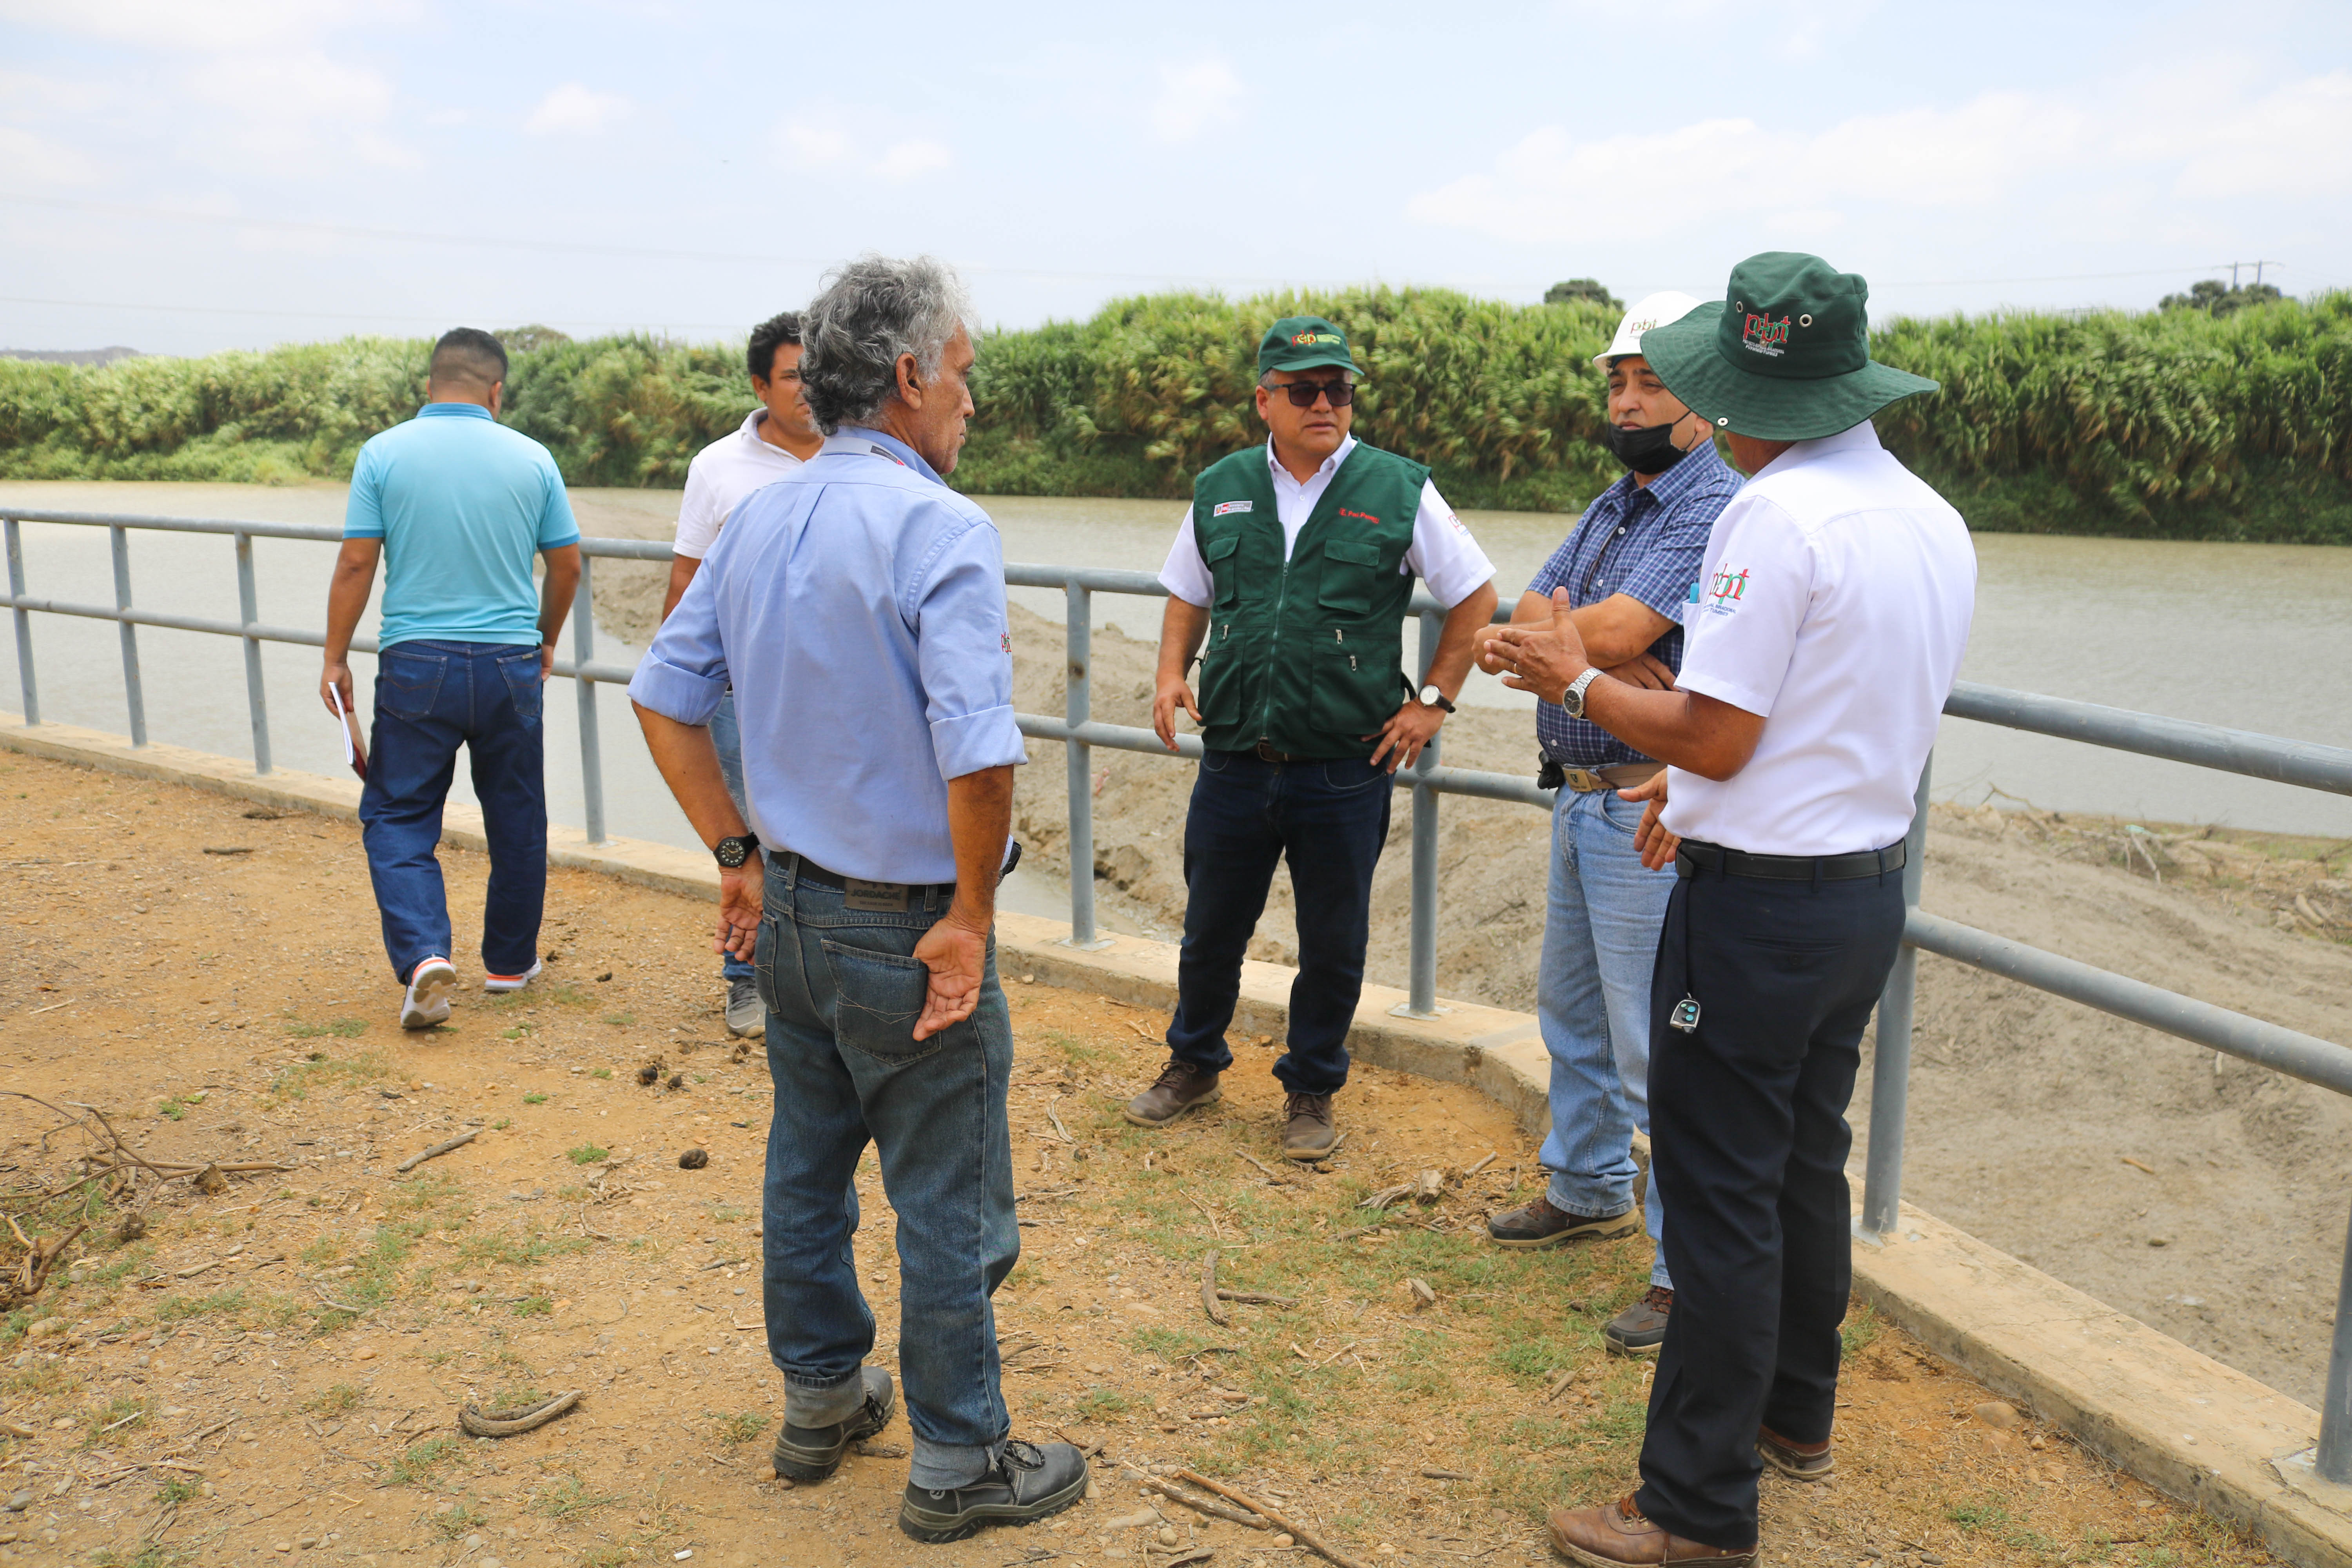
[1295, 566]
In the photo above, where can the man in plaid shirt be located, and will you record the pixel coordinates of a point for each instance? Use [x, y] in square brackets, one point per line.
[1629, 566]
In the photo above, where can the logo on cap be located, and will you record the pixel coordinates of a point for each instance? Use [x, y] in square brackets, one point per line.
[1765, 336]
[1305, 338]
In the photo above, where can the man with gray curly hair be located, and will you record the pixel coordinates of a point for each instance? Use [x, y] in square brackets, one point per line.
[857, 605]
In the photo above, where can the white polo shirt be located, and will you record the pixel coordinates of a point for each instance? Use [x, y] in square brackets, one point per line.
[1443, 555]
[721, 475]
[1834, 601]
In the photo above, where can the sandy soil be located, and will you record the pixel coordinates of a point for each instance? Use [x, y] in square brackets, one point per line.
[271, 1370]
[2024, 1110]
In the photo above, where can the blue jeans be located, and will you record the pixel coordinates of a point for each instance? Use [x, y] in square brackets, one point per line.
[1592, 998]
[728, 739]
[430, 698]
[1330, 819]
[843, 992]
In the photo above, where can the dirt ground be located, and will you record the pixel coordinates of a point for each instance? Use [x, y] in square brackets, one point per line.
[271, 1371]
[2026, 1112]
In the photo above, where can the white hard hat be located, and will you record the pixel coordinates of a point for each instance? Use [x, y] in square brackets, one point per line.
[1655, 311]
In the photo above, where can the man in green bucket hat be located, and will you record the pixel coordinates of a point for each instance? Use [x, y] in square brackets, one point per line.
[1821, 641]
[1291, 577]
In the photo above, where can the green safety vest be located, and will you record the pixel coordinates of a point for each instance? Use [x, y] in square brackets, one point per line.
[1305, 655]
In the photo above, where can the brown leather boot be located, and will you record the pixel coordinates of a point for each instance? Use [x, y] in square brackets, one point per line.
[1617, 1536]
[1308, 1133]
[1798, 1461]
[1181, 1087]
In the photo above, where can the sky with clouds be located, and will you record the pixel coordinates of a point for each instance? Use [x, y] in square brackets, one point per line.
[186, 175]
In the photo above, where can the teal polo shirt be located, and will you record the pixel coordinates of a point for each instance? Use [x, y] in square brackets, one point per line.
[462, 504]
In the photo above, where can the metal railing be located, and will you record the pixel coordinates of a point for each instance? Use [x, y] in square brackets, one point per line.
[2300, 764]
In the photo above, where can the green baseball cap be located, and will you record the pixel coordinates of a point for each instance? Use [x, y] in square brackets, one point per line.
[1303, 343]
[1783, 356]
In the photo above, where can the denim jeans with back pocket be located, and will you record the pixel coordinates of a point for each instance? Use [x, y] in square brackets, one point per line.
[843, 991]
[432, 698]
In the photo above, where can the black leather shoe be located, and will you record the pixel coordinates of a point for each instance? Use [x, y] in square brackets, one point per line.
[1028, 1482]
[813, 1453]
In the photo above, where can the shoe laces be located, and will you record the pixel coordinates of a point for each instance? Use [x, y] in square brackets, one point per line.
[1317, 1106]
[1176, 1075]
[1662, 1297]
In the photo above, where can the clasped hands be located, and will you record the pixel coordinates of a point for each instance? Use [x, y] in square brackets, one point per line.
[1546, 658]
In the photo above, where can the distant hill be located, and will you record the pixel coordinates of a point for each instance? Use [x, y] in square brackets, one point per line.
[74, 356]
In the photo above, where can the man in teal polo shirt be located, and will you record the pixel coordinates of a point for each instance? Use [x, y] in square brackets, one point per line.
[1295, 566]
[456, 505]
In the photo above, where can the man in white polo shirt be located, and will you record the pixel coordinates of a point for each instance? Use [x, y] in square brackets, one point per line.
[1829, 624]
[773, 440]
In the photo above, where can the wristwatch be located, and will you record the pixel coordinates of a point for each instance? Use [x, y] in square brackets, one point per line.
[1435, 697]
[733, 852]
[1573, 699]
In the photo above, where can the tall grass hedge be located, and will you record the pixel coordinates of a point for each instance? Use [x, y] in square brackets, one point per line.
[2174, 424]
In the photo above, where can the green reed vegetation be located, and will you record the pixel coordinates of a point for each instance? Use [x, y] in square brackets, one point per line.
[2176, 424]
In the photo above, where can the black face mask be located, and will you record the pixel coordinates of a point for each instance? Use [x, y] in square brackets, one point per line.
[1646, 449]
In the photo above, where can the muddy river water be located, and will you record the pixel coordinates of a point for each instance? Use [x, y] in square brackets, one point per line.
[2254, 636]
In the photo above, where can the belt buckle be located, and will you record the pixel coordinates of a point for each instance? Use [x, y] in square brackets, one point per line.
[1584, 780]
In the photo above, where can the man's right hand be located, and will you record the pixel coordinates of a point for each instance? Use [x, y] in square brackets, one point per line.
[1172, 691]
[1657, 846]
[955, 953]
[1645, 670]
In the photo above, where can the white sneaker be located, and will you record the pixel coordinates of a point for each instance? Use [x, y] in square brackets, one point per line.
[513, 981]
[427, 1003]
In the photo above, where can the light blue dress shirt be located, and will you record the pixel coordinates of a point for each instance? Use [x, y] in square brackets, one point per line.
[857, 607]
[462, 503]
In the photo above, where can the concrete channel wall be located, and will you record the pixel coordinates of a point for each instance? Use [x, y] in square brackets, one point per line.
[2186, 1423]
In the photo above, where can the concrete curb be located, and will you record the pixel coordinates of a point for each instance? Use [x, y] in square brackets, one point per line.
[2177, 1419]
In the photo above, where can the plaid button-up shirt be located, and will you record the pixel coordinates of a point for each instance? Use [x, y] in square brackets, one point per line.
[1646, 542]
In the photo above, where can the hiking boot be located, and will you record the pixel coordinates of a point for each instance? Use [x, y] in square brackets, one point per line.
[747, 1016]
[1641, 1328]
[1181, 1087]
[1541, 1225]
[1617, 1535]
[813, 1453]
[427, 1002]
[1308, 1133]
[1028, 1482]
[1798, 1461]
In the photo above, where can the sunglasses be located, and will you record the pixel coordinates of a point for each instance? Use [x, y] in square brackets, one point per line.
[1303, 394]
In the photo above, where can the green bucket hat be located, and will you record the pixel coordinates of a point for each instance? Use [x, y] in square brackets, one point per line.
[1303, 343]
[1784, 356]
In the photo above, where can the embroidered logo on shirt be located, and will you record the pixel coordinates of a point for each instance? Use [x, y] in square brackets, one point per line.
[1223, 507]
[1364, 516]
[1006, 638]
[1726, 589]
[1765, 336]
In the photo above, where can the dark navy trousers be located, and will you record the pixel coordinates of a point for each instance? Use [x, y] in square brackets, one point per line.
[1329, 820]
[1747, 1119]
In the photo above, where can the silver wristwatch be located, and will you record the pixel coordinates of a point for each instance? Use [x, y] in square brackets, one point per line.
[1573, 699]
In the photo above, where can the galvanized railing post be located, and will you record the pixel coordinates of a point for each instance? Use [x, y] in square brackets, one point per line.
[23, 624]
[250, 615]
[132, 694]
[1077, 707]
[1422, 981]
[1890, 1072]
[592, 755]
[2334, 1458]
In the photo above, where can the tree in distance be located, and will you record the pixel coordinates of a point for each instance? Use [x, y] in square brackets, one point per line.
[2215, 297]
[1582, 288]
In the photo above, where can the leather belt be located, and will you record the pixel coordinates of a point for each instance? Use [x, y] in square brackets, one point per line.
[1698, 856]
[1552, 775]
[1265, 753]
[881, 897]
